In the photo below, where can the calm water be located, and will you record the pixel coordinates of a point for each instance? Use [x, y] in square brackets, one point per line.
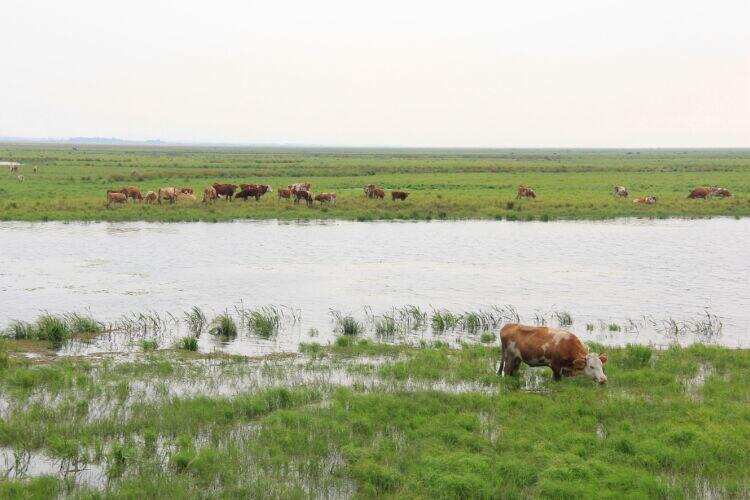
[600, 272]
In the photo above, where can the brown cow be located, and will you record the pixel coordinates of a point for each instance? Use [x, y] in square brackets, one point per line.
[115, 197]
[284, 193]
[132, 192]
[378, 193]
[699, 192]
[621, 191]
[209, 194]
[326, 198]
[647, 200]
[370, 190]
[186, 190]
[225, 190]
[150, 197]
[252, 190]
[719, 191]
[303, 195]
[543, 346]
[525, 192]
[168, 193]
[399, 195]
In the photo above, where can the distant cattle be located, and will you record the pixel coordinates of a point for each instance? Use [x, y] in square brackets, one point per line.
[646, 200]
[303, 195]
[13, 169]
[225, 190]
[132, 192]
[378, 193]
[370, 190]
[326, 198]
[252, 191]
[284, 193]
[562, 351]
[299, 186]
[621, 191]
[699, 192]
[399, 195]
[186, 190]
[525, 192]
[20, 178]
[209, 194]
[167, 193]
[150, 197]
[719, 191]
[36, 169]
[115, 197]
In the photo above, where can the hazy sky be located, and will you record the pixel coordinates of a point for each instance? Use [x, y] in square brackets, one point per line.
[463, 73]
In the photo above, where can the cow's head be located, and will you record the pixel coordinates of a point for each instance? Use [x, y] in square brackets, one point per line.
[592, 365]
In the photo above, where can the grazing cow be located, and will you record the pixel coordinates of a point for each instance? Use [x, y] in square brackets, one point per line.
[543, 346]
[186, 190]
[621, 191]
[252, 190]
[303, 195]
[378, 193]
[370, 190]
[699, 192]
[525, 192]
[20, 178]
[399, 195]
[150, 197]
[225, 190]
[284, 193]
[116, 197]
[36, 169]
[299, 186]
[13, 169]
[719, 191]
[168, 193]
[648, 200]
[209, 194]
[326, 198]
[132, 192]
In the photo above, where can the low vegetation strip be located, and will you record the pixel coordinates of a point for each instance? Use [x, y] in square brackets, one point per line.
[365, 419]
[60, 183]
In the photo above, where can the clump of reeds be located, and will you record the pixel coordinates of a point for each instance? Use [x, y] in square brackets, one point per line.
[223, 325]
[52, 328]
[80, 324]
[444, 320]
[264, 322]
[487, 337]
[613, 327]
[149, 345]
[196, 320]
[189, 343]
[346, 324]
[563, 318]
[19, 330]
[412, 317]
[385, 326]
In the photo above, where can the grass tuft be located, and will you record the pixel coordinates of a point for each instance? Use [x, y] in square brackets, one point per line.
[223, 325]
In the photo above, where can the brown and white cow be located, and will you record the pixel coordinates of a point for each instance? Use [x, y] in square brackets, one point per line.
[399, 195]
[303, 195]
[370, 190]
[646, 200]
[299, 186]
[132, 192]
[562, 351]
[209, 194]
[719, 191]
[699, 192]
[326, 198]
[167, 193]
[115, 197]
[225, 190]
[621, 191]
[525, 192]
[150, 197]
[284, 193]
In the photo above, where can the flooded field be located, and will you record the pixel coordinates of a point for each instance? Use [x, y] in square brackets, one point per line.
[617, 282]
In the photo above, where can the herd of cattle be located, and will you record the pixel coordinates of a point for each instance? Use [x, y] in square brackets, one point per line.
[299, 192]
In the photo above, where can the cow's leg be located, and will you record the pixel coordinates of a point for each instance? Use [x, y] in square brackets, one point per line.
[502, 364]
[556, 372]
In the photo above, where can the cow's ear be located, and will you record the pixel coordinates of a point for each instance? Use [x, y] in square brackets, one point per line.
[603, 358]
[579, 363]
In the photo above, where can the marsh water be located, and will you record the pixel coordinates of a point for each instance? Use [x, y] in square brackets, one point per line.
[636, 274]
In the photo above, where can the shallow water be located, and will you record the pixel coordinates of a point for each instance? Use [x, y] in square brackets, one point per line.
[600, 272]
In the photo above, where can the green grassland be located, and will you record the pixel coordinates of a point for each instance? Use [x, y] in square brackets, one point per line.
[443, 184]
[373, 420]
